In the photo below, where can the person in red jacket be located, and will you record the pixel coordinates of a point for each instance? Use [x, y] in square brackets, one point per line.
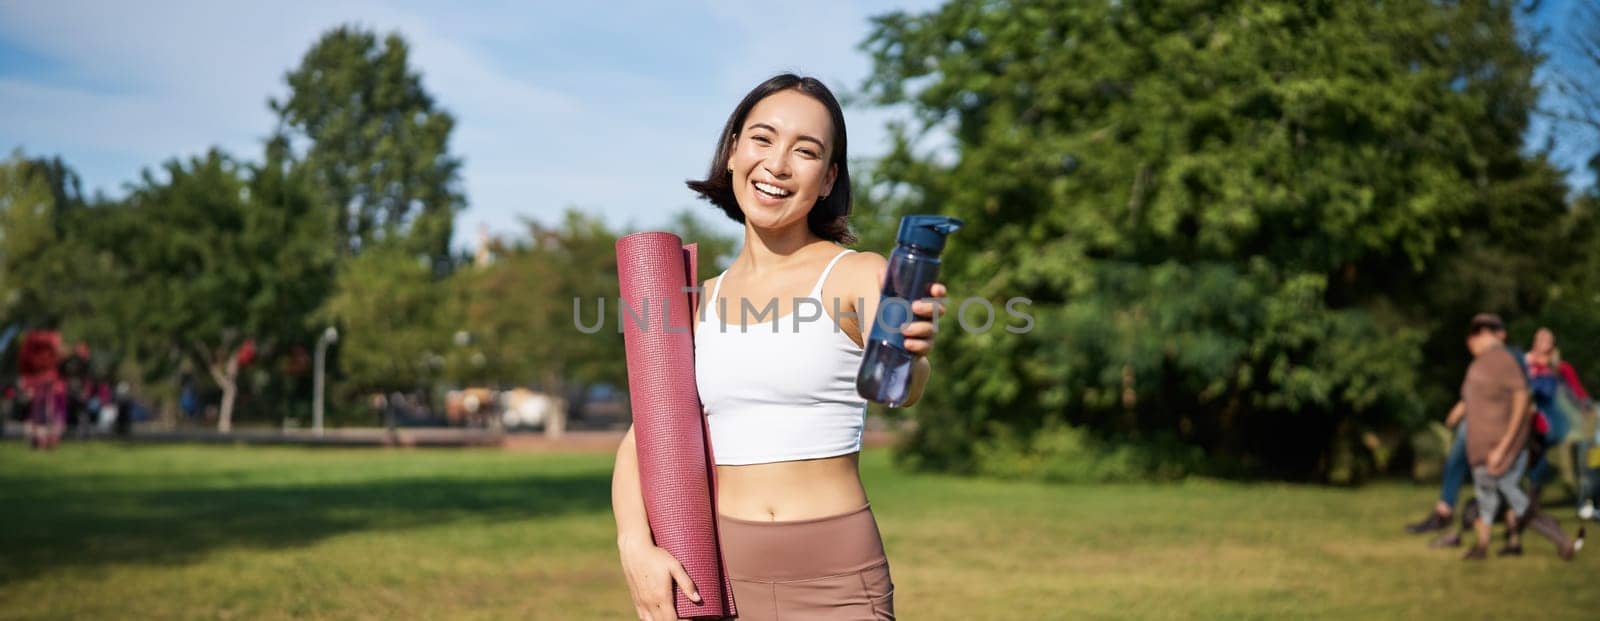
[1544, 358]
[1553, 422]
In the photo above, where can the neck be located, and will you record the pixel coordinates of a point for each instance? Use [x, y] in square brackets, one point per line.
[768, 249]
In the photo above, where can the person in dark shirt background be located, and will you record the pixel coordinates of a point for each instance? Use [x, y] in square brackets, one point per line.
[1497, 407]
[1456, 470]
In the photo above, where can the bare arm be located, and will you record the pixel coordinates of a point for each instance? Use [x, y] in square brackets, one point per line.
[1456, 414]
[1520, 406]
[627, 500]
[1499, 458]
[649, 570]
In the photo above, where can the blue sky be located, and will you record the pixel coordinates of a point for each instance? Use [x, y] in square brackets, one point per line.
[606, 108]
[1573, 144]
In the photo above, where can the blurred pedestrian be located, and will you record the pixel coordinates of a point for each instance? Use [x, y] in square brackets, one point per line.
[47, 415]
[1496, 402]
[188, 397]
[1456, 470]
[124, 407]
[74, 373]
[1558, 398]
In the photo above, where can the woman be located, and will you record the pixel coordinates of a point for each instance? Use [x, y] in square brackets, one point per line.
[797, 532]
[1548, 375]
[47, 414]
[1544, 361]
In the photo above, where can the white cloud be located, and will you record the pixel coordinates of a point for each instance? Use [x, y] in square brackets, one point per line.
[554, 108]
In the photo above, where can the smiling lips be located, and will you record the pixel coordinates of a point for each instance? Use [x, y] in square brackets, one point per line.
[772, 190]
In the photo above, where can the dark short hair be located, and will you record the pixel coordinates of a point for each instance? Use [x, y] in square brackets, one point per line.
[830, 217]
[1485, 321]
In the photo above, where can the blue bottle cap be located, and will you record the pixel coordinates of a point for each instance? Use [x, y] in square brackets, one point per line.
[926, 232]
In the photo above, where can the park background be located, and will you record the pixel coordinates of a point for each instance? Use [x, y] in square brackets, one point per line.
[1252, 234]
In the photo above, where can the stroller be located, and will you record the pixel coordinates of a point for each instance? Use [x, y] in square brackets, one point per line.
[1585, 453]
[1575, 436]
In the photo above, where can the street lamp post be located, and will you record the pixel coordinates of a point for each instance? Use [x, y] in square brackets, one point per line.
[328, 337]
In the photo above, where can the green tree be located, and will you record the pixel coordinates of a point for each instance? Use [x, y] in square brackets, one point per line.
[26, 231]
[375, 141]
[217, 255]
[516, 307]
[47, 265]
[1244, 226]
[55, 266]
[519, 309]
[387, 302]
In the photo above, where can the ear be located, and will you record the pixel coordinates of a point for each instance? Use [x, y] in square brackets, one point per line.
[733, 146]
[827, 180]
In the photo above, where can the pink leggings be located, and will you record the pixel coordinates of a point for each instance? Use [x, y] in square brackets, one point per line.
[829, 569]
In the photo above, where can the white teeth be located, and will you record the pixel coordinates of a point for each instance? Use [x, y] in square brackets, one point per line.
[772, 189]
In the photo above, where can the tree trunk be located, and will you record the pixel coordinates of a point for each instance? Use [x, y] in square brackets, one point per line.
[557, 424]
[227, 378]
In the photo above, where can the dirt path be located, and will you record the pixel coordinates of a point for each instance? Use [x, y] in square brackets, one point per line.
[580, 441]
[607, 441]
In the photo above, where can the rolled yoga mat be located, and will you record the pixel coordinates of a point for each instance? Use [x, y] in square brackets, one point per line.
[676, 471]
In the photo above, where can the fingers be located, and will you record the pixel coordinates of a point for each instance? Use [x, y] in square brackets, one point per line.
[919, 337]
[682, 578]
[919, 347]
[653, 597]
[926, 308]
[919, 334]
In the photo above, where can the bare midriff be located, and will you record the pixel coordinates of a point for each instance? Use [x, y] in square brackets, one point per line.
[791, 490]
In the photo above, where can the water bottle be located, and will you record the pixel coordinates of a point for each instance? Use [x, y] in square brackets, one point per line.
[885, 374]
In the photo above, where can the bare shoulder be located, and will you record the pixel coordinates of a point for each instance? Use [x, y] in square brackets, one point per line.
[866, 266]
[857, 281]
[704, 293]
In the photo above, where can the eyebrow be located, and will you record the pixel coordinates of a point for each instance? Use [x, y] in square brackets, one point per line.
[774, 130]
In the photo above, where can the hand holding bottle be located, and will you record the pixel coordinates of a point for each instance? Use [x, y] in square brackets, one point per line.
[905, 315]
[919, 333]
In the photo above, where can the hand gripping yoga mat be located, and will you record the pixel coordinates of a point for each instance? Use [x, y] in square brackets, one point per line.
[676, 471]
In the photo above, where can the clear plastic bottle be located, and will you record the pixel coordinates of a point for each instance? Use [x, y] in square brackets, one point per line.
[885, 374]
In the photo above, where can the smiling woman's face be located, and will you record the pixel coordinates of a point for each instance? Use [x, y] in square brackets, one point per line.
[1544, 341]
[780, 160]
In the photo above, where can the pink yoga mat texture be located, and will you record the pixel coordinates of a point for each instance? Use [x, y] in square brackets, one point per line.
[676, 472]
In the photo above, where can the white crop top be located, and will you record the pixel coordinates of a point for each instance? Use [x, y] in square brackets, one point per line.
[779, 389]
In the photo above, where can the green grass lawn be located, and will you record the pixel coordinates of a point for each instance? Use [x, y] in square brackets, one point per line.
[112, 532]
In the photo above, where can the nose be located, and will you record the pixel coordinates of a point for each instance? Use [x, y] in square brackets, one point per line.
[778, 165]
